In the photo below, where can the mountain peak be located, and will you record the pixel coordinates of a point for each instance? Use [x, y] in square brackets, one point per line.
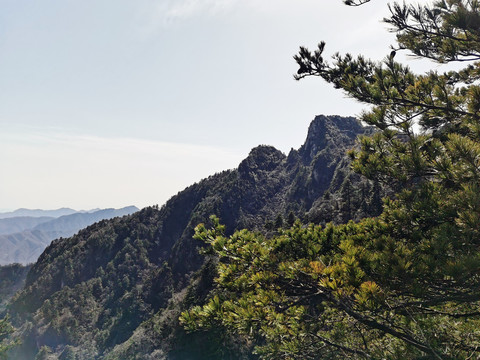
[331, 130]
[262, 157]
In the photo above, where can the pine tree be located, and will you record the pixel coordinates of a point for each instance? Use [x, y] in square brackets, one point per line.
[279, 221]
[291, 218]
[5, 330]
[404, 285]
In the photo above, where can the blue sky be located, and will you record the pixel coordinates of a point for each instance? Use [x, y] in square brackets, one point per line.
[112, 103]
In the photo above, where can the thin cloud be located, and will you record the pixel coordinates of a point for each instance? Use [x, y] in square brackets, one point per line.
[156, 15]
[187, 8]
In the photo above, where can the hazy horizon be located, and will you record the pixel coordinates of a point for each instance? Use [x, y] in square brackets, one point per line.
[3, 211]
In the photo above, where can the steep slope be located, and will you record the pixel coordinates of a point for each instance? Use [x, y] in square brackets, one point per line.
[114, 290]
[25, 247]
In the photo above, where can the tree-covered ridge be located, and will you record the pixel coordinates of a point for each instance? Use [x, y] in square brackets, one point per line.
[403, 285]
[116, 289]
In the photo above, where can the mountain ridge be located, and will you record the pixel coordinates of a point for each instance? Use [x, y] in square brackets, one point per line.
[37, 212]
[115, 289]
[54, 213]
[20, 223]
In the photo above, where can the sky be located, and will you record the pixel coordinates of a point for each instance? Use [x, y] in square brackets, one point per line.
[116, 103]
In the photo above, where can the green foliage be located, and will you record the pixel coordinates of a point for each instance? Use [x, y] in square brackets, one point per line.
[44, 353]
[291, 218]
[6, 329]
[365, 289]
[278, 222]
[403, 285]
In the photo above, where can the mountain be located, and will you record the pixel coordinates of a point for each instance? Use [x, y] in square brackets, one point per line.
[21, 223]
[37, 213]
[115, 289]
[35, 233]
[22, 248]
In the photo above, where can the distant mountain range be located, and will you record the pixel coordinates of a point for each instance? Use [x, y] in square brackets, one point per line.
[24, 237]
[40, 213]
[18, 224]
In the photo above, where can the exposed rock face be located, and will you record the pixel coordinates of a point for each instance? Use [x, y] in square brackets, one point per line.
[329, 132]
[114, 290]
[324, 149]
[261, 158]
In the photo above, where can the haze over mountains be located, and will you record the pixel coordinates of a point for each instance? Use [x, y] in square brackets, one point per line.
[24, 234]
[40, 213]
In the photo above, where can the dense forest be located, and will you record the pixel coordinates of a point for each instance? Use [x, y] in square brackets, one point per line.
[301, 258]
